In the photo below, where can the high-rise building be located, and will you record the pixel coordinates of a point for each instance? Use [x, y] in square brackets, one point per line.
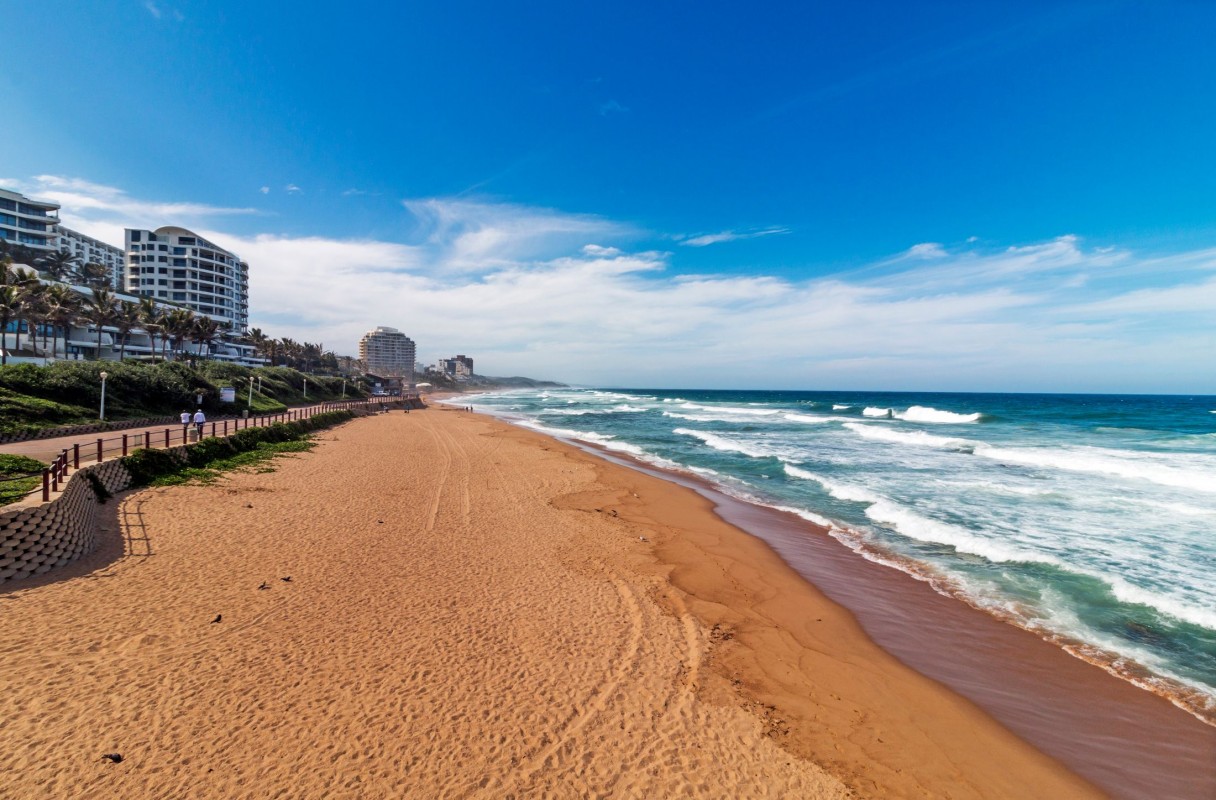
[457, 366]
[181, 267]
[28, 222]
[93, 251]
[388, 353]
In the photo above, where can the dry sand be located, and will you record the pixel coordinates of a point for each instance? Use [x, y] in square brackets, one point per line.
[474, 611]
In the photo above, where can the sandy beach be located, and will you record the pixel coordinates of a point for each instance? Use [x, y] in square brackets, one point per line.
[473, 610]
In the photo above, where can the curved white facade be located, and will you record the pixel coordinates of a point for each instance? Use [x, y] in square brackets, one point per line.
[179, 266]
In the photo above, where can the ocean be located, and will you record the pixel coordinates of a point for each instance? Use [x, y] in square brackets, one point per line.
[1089, 520]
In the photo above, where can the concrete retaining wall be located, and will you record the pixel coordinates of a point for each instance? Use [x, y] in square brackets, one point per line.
[36, 539]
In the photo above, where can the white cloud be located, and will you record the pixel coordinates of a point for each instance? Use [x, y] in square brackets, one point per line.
[927, 250]
[153, 9]
[291, 188]
[265, 190]
[612, 107]
[542, 292]
[706, 239]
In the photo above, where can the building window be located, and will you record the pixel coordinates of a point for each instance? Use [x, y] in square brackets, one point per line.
[135, 236]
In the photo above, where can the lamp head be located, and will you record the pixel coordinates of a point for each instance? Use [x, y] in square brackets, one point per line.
[103, 375]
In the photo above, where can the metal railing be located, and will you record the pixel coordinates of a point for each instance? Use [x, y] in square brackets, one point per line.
[69, 459]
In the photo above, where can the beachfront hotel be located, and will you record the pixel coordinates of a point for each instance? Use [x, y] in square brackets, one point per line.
[94, 251]
[28, 222]
[179, 266]
[388, 353]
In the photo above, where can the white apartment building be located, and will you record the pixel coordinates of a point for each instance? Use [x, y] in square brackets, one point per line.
[388, 353]
[179, 266]
[29, 222]
[93, 251]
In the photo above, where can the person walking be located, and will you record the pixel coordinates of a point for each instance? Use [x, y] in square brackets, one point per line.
[200, 419]
[185, 423]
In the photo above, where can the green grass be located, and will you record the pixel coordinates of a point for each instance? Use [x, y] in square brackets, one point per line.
[12, 491]
[257, 460]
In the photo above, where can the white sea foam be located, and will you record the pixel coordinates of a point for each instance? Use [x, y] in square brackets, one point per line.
[840, 491]
[822, 522]
[694, 417]
[722, 443]
[1122, 463]
[918, 438]
[605, 440]
[839, 407]
[913, 525]
[809, 419]
[870, 411]
[927, 414]
[750, 412]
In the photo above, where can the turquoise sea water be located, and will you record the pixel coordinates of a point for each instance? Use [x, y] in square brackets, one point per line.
[1090, 519]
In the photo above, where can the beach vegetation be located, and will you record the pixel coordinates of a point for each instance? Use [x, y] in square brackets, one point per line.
[34, 397]
[245, 449]
[19, 475]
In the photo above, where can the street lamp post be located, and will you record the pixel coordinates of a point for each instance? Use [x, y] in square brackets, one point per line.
[102, 414]
[344, 388]
[306, 388]
[250, 393]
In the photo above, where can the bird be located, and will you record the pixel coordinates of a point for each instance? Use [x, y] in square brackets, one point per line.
[113, 758]
[286, 580]
[218, 617]
[264, 585]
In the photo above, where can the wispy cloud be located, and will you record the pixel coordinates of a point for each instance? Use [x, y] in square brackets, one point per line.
[706, 239]
[353, 193]
[291, 188]
[612, 107]
[265, 190]
[153, 9]
[579, 298]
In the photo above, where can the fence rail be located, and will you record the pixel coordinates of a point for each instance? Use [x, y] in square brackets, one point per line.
[95, 451]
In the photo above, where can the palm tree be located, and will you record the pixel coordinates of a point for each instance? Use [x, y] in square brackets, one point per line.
[33, 308]
[126, 317]
[258, 340]
[59, 266]
[180, 326]
[27, 286]
[10, 307]
[205, 332]
[150, 318]
[100, 310]
[61, 307]
[94, 275]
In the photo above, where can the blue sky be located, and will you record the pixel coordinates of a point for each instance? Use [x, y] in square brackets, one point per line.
[872, 195]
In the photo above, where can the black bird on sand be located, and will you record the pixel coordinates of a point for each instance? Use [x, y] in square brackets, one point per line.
[286, 580]
[113, 758]
[218, 617]
[264, 585]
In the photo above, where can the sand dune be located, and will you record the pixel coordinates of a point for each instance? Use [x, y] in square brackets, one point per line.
[473, 611]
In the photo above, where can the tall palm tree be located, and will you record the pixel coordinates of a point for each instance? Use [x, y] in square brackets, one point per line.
[126, 318]
[150, 317]
[10, 307]
[180, 326]
[27, 286]
[100, 310]
[58, 266]
[94, 275]
[62, 305]
[206, 330]
[258, 340]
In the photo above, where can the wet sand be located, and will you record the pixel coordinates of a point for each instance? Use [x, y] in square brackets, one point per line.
[474, 611]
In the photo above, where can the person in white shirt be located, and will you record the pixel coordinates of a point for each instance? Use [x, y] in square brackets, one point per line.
[200, 419]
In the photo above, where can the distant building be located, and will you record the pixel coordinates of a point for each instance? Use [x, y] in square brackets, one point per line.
[458, 367]
[93, 251]
[181, 267]
[388, 353]
[28, 222]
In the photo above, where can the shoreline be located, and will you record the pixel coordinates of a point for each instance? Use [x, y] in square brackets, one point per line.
[475, 610]
[1127, 738]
